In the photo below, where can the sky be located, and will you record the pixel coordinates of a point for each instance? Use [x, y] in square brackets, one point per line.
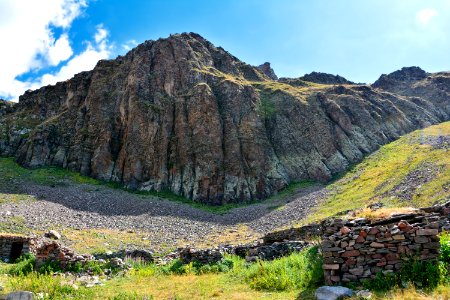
[46, 41]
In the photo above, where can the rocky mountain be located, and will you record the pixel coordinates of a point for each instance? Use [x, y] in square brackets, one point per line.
[268, 71]
[180, 114]
[318, 77]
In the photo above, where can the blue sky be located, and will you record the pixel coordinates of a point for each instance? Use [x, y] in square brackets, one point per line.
[51, 40]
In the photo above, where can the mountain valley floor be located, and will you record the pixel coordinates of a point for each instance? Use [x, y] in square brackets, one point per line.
[94, 217]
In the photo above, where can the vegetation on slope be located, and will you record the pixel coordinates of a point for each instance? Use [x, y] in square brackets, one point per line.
[412, 171]
[292, 277]
[232, 278]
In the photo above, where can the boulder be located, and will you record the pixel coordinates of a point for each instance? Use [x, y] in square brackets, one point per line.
[20, 296]
[53, 234]
[333, 293]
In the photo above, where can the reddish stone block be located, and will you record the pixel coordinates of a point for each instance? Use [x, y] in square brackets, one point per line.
[351, 253]
[373, 231]
[381, 264]
[350, 261]
[392, 257]
[345, 230]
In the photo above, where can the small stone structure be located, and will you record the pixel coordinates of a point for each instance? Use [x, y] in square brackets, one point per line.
[13, 246]
[303, 233]
[49, 250]
[358, 249]
[251, 252]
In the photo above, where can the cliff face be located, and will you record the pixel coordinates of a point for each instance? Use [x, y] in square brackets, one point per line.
[184, 115]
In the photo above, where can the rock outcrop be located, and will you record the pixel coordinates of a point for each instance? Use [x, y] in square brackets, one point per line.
[268, 71]
[319, 77]
[180, 114]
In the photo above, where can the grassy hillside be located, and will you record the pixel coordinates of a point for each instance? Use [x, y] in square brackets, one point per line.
[412, 171]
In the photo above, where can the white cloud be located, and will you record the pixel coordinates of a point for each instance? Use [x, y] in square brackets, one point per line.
[59, 51]
[27, 29]
[84, 61]
[129, 44]
[424, 16]
[101, 34]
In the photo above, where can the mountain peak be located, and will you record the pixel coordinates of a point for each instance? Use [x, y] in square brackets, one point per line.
[403, 76]
[268, 71]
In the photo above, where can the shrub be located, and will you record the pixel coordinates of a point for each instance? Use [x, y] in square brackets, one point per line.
[444, 259]
[49, 267]
[24, 265]
[298, 271]
[177, 267]
[51, 287]
[421, 274]
[445, 248]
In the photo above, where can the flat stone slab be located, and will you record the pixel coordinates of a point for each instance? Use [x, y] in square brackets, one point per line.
[333, 293]
[20, 296]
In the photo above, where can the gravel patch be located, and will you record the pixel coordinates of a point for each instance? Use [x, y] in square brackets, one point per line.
[86, 206]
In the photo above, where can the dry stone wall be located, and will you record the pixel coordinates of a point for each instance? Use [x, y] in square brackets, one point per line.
[356, 250]
[13, 246]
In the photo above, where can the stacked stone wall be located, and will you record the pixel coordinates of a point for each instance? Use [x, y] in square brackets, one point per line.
[358, 249]
[7, 241]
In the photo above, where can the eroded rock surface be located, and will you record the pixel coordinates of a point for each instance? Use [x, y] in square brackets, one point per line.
[268, 71]
[180, 114]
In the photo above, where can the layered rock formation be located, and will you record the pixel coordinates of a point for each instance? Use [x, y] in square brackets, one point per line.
[268, 71]
[317, 77]
[180, 114]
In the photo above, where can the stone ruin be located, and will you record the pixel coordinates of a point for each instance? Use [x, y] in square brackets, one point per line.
[14, 246]
[359, 249]
[44, 249]
[251, 252]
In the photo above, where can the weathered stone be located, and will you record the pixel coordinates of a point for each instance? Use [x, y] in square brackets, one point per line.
[364, 294]
[427, 232]
[376, 245]
[392, 257]
[398, 237]
[53, 234]
[333, 293]
[351, 253]
[373, 231]
[333, 260]
[357, 271]
[333, 249]
[20, 296]
[370, 238]
[335, 278]
[350, 261]
[330, 266]
[421, 239]
[360, 240]
[345, 230]
[432, 245]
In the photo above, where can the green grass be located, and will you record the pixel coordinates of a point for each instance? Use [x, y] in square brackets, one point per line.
[375, 179]
[292, 277]
[298, 271]
[232, 278]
